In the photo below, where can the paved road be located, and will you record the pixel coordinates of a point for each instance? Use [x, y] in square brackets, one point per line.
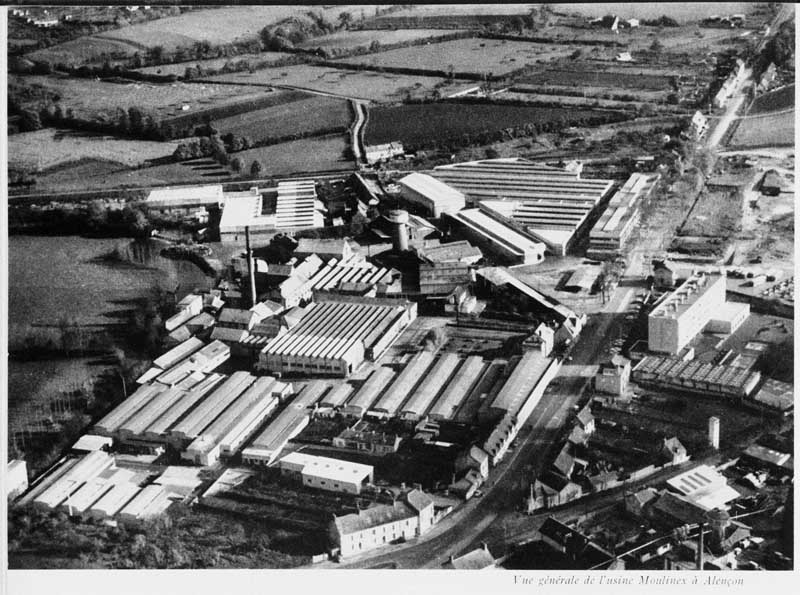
[509, 484]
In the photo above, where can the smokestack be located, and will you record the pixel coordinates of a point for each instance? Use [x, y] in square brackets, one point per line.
[251, 273]
[700, 549]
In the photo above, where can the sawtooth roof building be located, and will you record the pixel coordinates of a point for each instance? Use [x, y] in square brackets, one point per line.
[548, 204]
[337, 335]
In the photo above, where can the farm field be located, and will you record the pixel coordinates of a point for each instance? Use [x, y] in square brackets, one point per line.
[50, 147]
[765, 130]
[371, 86]
[93, 174]
[678, 39]
[612, 80]
[680, 11]
[212, 64]
[300, 156]
[346, 40]
[86, 50]
[467, 55]
[315, 113]
[462, 9]
[89, 98]
[780, 99]
[716, 213]
[415, 124]
[215, 25]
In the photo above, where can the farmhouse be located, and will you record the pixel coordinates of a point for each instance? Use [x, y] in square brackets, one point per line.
[367, 529]
[378, 153]
[548, 204]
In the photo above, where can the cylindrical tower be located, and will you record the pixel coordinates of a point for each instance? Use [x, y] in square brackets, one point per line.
[713, 432]
[399, 220]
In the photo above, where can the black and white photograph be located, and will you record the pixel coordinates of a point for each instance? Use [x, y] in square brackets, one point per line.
[418, 287]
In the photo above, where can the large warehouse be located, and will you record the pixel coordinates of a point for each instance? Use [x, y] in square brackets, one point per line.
[525, 386]
[704, 377]
[433, 196]
[336, 335]
[685, 312]
[325, 473]
[498, 237]
[547, 203]
[612, 230]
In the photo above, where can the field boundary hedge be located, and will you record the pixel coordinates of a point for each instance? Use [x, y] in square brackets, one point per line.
[551, 40]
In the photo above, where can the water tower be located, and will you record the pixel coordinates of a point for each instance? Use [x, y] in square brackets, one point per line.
[399, 220]
[719, 520]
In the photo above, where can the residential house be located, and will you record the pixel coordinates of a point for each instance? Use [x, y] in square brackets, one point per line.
[613, 378]
[478, 559]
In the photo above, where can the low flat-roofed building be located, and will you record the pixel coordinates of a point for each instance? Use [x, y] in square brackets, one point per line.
[770, 457]
[326, 473]
[184, 198]
[151, 501]
[694, 376]
[704, 486]
[90, 442]
[85, 469]
[108, 425]
[178, 353]
[434, 196]
[113, 501]
[728, 317]
[243, 210]
[499, 238]
[267, 446]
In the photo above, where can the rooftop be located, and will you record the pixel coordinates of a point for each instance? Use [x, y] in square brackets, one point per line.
[185, 196]
[689, 292]
[431, 188]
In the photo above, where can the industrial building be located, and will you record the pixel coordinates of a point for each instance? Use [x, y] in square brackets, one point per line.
[237, 422]
[435, 380]
[194, 368]
[336, 397]
[332, 276]
[458, 388]
[704, 486]
[525, 386]
[397, 393]
[190, 306]
[149, 502]
[377, 382]
[685, 312]
[185, 200]
[548, 204]
[498, 237]
[81, 471]
[266, 447]
[381, 524]
[433, 196]
[611, 232]
[297, 206]
[441, 278]
[326, 249]
[695, 376]
[336, 336]
[244, 210]
[325, 473]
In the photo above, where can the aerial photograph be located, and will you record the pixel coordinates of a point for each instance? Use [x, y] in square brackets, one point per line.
[401, 287]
